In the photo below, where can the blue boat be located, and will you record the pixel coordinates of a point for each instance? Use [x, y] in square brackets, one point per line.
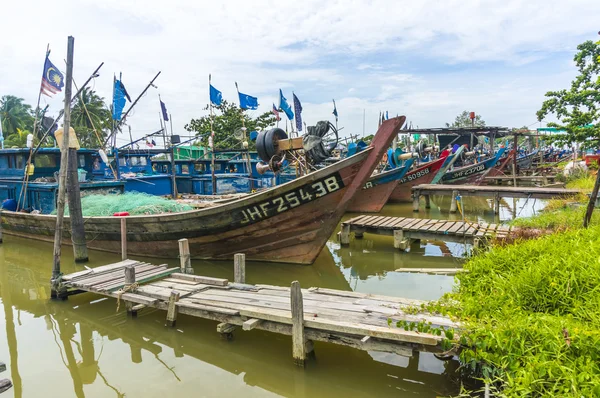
[42, 186]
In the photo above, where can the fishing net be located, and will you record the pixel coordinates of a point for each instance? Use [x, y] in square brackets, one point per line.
[134, 203]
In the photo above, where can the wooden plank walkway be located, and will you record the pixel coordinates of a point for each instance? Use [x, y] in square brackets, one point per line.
[349, 318]
[544, 179]
[404, 230]
[495, 192]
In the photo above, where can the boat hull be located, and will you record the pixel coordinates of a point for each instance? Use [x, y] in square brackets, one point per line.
[421, 175]
[289, 223]
[472, 174]
[376, 192]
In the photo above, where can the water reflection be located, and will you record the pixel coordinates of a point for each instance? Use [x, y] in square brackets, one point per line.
[83, 347]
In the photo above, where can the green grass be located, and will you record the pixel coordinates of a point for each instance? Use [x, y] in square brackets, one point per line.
[584, 182]
[532, 316]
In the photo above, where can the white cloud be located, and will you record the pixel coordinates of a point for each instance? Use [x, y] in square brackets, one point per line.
[320, 50]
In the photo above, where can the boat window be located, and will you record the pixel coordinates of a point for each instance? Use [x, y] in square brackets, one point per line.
[133, 161]
[11, 161]
[185, 169]
[122, 162]
[81, 161]
[199, 167]
[20, 162]
[143, 161]
[45, 160]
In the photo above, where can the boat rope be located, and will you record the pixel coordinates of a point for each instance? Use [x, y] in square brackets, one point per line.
[129, 288]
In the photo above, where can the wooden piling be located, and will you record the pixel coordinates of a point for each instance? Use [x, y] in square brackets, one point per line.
[298, 337]
[345, 235]
[239, 268]
[123, 238]
[497, 204]
[57, 291]
[427, 202]
[185, 262]
[453, 203]
[172, 308]
[80, 251]
[129, 280]
[416, 196]
[400, 242]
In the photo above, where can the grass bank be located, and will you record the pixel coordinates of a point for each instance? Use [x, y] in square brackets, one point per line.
[532, 316]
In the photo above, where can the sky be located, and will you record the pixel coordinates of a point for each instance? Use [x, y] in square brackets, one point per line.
[428, 60]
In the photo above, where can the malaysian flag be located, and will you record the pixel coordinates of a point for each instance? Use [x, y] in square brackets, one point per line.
[276, 113]
[52, 79]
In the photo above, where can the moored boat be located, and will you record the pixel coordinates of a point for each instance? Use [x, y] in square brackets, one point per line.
[376, 192]
[473, 173]
[289, 223]
[423, 174]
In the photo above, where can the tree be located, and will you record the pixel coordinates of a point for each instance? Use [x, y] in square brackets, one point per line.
[97, 117]
[228, 119]
[464, 120]
[17, 139]
[578, 108]
[15, 115]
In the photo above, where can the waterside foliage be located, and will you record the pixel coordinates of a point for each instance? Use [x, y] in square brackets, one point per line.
[531, 316]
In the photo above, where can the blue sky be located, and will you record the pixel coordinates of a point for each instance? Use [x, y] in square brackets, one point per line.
[428, 60]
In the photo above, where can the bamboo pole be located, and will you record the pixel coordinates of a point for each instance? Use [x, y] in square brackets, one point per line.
[57, 290]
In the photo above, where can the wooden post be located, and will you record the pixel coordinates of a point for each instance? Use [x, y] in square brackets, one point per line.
[592, 202]
[497, 204]
[129, 280]
[184, 257]
[514, 173]
[123, 238]
[80, 251]
[453, 204]
[298, 338]
[416, 195]
[172, 308]
[345, 235]
[427, 202]
[399, 241]
[57, 291]
[239, 268]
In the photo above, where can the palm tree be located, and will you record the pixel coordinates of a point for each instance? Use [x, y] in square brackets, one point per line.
[98, 116]
[15, 114]
[17, 140]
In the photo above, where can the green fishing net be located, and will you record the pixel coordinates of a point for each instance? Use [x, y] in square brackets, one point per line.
[134, 203]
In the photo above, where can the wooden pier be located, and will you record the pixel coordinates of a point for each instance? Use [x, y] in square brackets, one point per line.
[487, 191]
[543, 179]
[405, 230]
[363, 321]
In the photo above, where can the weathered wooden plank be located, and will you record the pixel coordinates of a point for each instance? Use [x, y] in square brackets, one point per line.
[186, 304]
[446, 227]
[206, 280]
[380, 221]
[365, 220]
[98, 270]
[405, 222]
[410, 223]
[115, 280]
[180, 281]
[354, 219]
[397, 222]
[251, 324]
[457, 226]
[417, 226]
[392, 221]
[147, 278]
[333, 292]
[437, 226]
[110, 276]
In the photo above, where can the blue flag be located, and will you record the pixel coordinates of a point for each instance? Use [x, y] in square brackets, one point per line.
[215, 96]
[52, 79]
[119, 100]
[386, 115]
[285, 107]
[163, 108]
[248, 101]
[298, 110]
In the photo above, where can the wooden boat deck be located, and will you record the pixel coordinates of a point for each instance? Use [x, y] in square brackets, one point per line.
[348, 318]
[405, 228]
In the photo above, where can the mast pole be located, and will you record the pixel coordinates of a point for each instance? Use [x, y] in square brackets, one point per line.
[212, 143]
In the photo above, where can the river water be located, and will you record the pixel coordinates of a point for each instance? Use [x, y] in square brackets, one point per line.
[83, 348]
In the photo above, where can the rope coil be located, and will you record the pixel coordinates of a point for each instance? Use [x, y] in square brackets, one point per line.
[127, 288]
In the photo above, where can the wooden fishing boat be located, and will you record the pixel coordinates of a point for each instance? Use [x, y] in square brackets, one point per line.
[423, 174]
[376, 192]
[473, 173]
[290, 223]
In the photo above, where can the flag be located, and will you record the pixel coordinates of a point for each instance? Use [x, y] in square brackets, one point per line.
[215, 96]
[120, 93]
[386, 115]
[335, 111]
[148, 143]
[276, 113]
[49, 125]
[246, 101]
[153, 143]
[285, 107]
[52, 79]
[298, 110]
[163, 108]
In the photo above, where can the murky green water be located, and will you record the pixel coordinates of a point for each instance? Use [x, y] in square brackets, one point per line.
[82, 347]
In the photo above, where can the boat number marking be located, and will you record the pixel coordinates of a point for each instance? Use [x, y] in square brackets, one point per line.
[469, 171]
[414, 176]
[297, 197]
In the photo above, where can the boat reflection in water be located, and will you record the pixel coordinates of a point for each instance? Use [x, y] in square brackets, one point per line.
[83, 344]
